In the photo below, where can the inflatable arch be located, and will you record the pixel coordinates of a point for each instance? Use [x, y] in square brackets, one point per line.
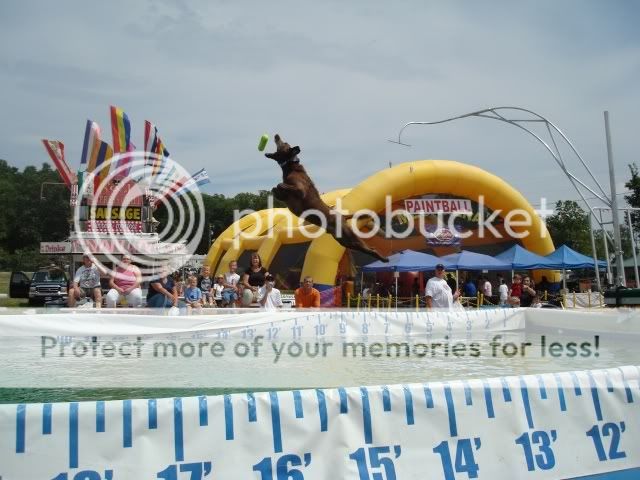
[267, 230]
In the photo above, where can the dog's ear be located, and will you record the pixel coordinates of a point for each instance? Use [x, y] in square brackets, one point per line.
[295, 150]
[269, 155]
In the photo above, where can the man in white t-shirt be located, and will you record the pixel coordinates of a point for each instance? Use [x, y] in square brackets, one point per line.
[86, 283]
[269, 297]
[438, 293]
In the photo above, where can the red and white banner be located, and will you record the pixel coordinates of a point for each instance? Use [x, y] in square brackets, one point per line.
[55, 149]
[437, 205]
[130, 245]
[110, 226]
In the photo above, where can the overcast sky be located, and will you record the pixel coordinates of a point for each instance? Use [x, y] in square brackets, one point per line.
[337, 78]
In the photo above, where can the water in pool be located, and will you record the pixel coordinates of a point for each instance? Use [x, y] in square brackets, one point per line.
[39, 369]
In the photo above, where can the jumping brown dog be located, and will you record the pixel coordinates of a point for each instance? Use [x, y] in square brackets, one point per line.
[301, 195]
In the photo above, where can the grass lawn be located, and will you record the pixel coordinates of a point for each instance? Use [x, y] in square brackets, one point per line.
[4, 288]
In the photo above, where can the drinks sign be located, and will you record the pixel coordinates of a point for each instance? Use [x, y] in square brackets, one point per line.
[50, 248]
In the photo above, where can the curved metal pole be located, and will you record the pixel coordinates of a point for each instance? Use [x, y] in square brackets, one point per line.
[595, 254]
[493, 114]
[497, 116]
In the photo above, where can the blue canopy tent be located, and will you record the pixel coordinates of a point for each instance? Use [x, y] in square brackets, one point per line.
[466, 260]
[405, 261]
[567, 258]
[522, 259]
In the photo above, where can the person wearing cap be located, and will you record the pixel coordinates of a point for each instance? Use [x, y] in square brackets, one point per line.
[438, 293]
[125, 282]
[86, 283]
[269, 297]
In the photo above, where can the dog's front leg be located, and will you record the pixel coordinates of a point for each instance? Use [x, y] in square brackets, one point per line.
[279, 193]
[290, 189]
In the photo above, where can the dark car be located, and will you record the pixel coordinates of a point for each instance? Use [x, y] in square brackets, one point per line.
[46, 285]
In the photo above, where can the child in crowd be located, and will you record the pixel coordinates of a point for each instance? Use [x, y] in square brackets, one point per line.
[232, 288]
[535, 302]
[205, 283]
[193, 296]
[179, 284]
[217, 289]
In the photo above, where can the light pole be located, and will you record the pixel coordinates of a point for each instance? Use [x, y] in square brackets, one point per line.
[520, 117]
[620, 280]
[627, 214]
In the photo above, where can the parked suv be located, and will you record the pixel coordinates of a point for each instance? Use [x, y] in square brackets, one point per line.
[46, 285]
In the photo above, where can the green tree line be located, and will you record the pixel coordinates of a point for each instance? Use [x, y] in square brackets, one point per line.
[35, 208]
[570, 223]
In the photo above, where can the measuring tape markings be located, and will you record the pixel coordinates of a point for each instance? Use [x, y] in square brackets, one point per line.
[350, 324]
[627, 388]
[344, 400]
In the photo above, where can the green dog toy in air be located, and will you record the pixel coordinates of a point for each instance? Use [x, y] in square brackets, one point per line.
[264, 139]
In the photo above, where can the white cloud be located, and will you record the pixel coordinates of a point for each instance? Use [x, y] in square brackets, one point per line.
[337, 78]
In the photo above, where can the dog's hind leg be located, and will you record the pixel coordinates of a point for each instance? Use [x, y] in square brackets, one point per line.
[350, 240]
[369, 251]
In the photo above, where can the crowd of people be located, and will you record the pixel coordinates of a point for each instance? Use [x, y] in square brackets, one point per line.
[442, 292]
[256, 287]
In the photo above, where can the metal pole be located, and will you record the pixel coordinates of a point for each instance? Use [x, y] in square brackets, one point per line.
[606, 251]
[396, 289]
[633, 248]
[614, 207]
[564, 280]
[595, 253]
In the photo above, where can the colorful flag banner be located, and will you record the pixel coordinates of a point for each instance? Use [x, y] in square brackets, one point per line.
[153, 144]
[93, 158]
[120, 129]
[103, 158]
[171, 190]
[201, 177]
[165, 179]
[55, 149]
[124, 161]
[91, 139]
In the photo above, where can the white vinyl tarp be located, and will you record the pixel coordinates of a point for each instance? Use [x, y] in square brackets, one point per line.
[540, 427]
[289, 324]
